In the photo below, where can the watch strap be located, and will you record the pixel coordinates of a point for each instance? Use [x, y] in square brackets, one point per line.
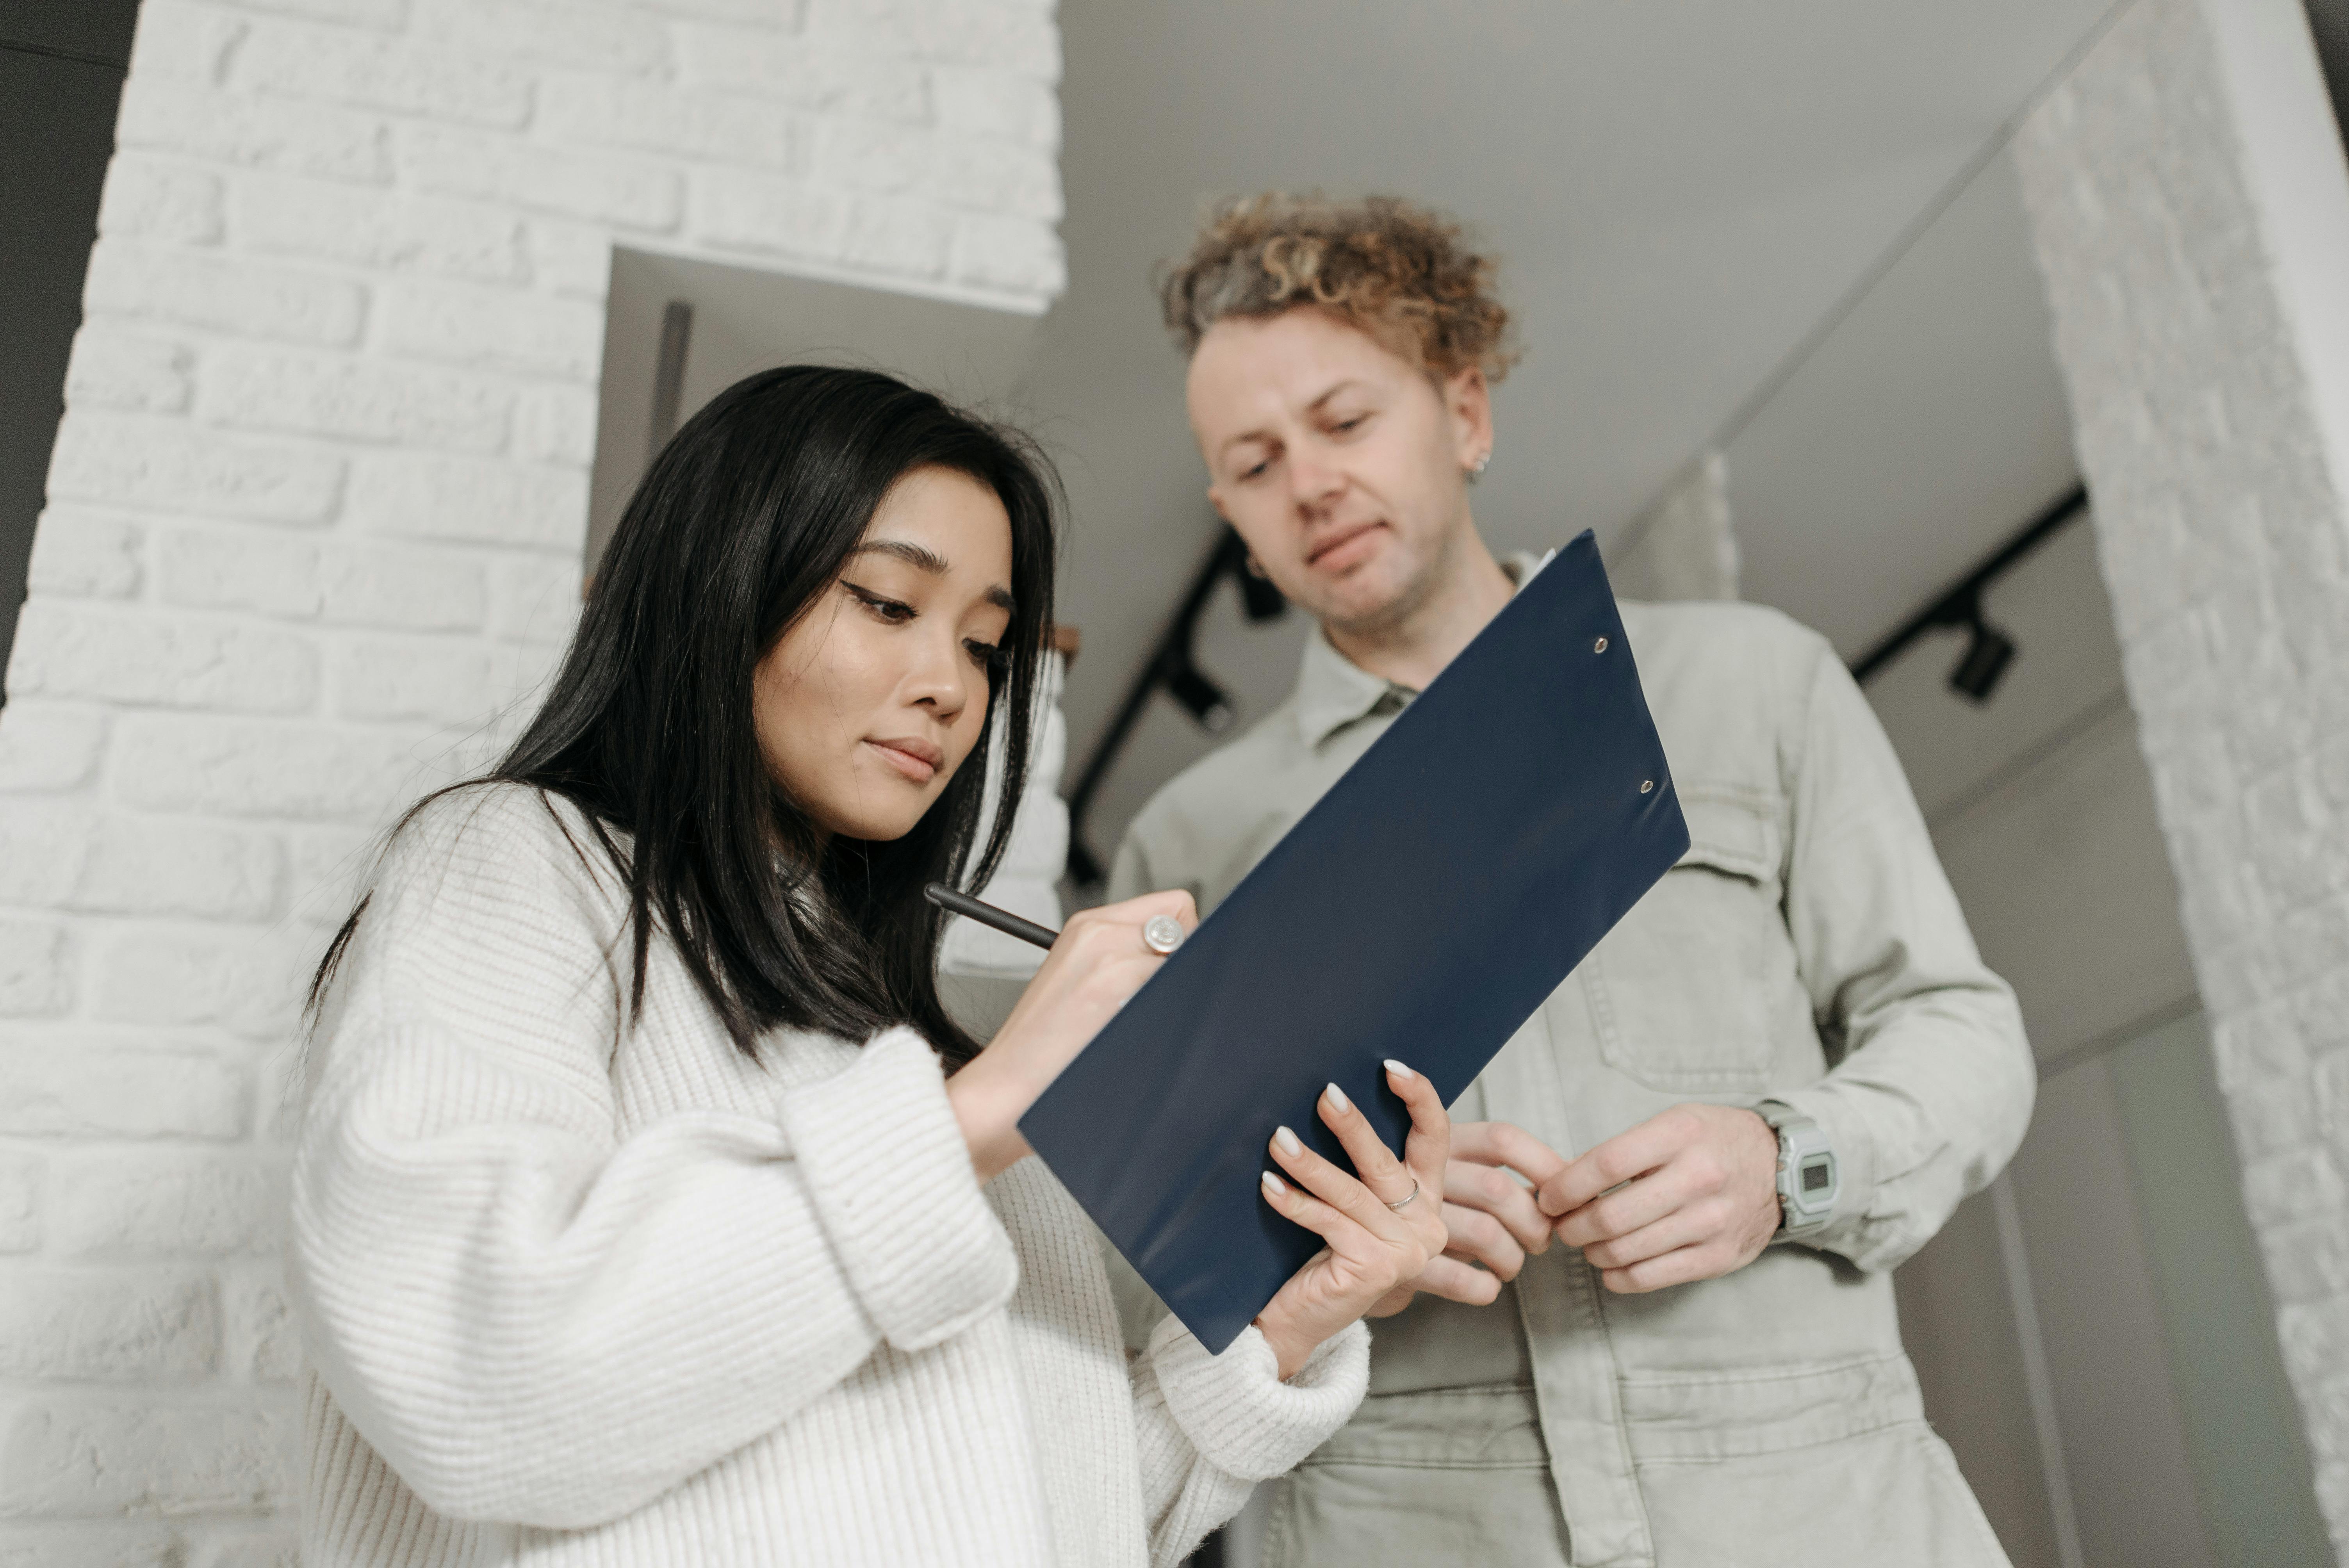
[1808, 1180]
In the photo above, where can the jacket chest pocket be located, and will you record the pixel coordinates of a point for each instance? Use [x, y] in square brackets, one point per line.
[1681, 990]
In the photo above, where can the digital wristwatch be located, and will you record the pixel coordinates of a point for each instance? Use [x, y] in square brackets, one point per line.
[1808, 1181]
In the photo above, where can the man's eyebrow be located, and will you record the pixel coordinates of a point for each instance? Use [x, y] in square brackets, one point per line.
[932, 562]
[1313, 407]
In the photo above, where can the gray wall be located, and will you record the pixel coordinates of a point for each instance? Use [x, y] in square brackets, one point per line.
[745, 319]
[2115, 1313]
[1682, 198]
[61, 64]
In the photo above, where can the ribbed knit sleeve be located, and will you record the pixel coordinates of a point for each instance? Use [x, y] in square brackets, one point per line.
[886, 1167]
[531, 1318]
[1214, 1426]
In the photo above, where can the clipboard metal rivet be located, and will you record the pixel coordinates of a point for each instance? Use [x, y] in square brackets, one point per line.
[1600, 647]
[1647, 785]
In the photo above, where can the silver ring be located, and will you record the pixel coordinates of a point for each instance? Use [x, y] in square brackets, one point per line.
[1407, 1202]
[1162, 934]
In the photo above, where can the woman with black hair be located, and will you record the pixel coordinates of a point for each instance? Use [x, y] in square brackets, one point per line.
[648, 1207]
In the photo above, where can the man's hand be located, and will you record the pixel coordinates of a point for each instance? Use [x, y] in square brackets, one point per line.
[1687, 1195]
[1490, 1217]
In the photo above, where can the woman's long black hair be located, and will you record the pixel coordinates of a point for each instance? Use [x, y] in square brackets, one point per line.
[740, 525]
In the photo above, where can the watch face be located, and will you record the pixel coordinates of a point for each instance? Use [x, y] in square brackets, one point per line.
[1816, 1176]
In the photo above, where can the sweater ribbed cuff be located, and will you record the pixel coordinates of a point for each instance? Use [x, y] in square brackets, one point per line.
[891, 1181]
[1237, 1412]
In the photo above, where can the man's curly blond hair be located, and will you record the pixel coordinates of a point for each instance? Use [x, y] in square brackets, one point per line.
[1395, 271]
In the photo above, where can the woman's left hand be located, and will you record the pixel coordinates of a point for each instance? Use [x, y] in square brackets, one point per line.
[1381, 1226]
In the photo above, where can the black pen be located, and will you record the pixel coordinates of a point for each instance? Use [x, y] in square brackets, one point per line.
[1003, 920]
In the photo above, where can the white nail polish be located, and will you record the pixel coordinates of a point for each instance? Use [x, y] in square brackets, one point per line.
[1287, 1142]
[1275, 1185]
[1337, 1098]
[1399, 1070]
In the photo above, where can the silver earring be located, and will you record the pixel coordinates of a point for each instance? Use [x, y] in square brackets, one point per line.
[1483, 462]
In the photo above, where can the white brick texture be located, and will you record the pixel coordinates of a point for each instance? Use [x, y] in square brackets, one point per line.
[2223, 535]
[314, 517]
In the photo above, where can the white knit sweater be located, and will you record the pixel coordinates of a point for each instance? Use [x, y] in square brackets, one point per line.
[569, 1303]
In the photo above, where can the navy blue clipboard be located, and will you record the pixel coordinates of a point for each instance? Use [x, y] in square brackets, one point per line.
[1422, 910]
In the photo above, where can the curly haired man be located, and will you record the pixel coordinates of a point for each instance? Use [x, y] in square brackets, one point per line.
[1770, 1084]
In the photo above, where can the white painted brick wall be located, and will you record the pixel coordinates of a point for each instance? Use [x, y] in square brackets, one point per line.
[315, 515]
[2223, 535]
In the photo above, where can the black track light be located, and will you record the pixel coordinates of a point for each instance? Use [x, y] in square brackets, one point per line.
[1959, 609]
[1201, 697]
[1258, 598]
[1170, 668]
[1988, 653]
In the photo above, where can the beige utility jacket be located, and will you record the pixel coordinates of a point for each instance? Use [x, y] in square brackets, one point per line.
[1806, 950]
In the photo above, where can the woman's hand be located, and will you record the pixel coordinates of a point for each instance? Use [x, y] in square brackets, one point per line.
[1375, 1247]
[1493, 1221]
[1099, 962]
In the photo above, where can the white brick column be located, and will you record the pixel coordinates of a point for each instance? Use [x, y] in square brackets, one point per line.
[314, 516]
[2191, 207]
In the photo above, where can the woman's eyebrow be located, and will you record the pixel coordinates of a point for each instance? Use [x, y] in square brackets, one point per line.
[930, 562]
[911, 554]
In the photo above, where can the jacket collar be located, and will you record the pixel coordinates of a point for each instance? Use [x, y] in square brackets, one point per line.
[1332, 691]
